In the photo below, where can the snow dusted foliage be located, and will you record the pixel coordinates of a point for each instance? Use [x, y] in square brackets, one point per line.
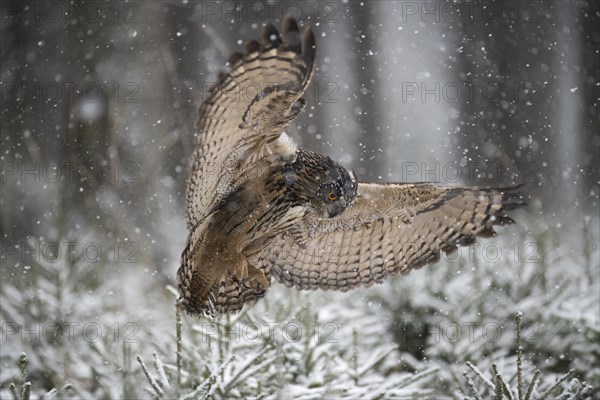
[463, 311]
[250, 355]
[445, 331]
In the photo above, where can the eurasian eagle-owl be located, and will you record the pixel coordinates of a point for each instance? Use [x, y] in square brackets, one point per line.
[259, 207]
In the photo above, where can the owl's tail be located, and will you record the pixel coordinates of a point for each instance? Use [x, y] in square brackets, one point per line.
[195, 286]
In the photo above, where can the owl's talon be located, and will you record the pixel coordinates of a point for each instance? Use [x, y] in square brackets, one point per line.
[239, 266]
[258, 275]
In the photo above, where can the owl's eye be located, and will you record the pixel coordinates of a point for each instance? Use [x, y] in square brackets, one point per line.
[332, 196]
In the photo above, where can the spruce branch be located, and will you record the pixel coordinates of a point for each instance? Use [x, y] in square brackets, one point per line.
[159, 392]
[480, 375]
[518, 319]
[533, 384]
[557, 384]
[500, 380]
[178, 356]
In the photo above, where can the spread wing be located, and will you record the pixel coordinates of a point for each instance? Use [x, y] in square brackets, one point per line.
[389, 229]
[246, 112]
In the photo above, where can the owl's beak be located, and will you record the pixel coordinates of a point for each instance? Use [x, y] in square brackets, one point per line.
[334, 209]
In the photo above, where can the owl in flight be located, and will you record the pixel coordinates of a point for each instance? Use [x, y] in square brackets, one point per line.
[258, 207]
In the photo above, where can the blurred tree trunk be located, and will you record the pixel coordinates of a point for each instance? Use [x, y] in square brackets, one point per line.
[15, 40]
[504, 90]
[369, 91]
[521, 121]
[590, 78]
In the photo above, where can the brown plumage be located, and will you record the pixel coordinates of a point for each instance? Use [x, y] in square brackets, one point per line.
[258, 207]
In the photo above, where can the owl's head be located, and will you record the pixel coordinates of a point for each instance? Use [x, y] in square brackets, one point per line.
[318, 180]
[337, 190]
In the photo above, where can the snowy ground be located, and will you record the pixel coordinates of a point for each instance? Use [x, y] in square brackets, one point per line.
[410, 337]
